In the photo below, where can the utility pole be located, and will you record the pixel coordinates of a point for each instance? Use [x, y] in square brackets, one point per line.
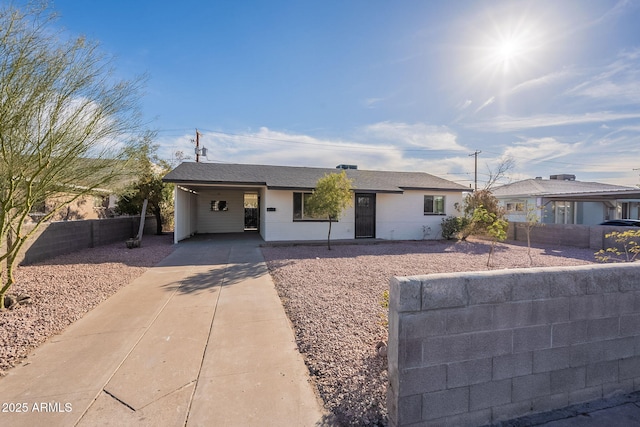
[476, 168]
[197, 146]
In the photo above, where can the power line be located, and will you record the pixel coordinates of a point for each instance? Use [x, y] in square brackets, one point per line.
[324, 145]
[331, 146]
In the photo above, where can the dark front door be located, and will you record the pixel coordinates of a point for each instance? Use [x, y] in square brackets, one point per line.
[365, 215]
[251, 211]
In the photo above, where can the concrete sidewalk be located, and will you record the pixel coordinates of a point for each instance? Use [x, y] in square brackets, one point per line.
[201, 339]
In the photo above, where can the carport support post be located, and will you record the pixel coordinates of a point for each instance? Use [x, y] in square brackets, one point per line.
[143, 215]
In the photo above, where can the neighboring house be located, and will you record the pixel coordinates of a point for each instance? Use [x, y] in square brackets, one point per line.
[100, 204]
[228, 198]
[97, 204]
[563, 200]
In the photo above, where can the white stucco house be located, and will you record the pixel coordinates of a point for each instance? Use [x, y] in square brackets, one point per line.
[563, 200]
[233, 198]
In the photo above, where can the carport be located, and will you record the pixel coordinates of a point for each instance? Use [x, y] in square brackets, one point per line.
[209, 209]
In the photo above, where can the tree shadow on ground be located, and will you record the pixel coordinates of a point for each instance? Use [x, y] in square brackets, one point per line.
[220, 276]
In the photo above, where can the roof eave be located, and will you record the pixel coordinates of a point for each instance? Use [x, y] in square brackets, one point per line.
[462, 190]
[211, 183]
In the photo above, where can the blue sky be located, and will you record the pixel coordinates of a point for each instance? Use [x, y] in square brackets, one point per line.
[406, 85]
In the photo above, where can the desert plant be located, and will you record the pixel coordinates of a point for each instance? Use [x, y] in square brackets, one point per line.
[452, 226]
[629, 250]
[384, 303]
[494, 226]
[479, 199]
[64, 119]
[532, 221]
[148, 169]
[331, 196]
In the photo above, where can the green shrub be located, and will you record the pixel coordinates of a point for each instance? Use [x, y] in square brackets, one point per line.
[452, 226]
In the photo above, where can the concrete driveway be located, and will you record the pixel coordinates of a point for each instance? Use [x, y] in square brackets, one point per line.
[201, 339]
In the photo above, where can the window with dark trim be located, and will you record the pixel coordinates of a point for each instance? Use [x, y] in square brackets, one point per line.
[434, 205]
[515, 206]
[219, 205]
[300, 213]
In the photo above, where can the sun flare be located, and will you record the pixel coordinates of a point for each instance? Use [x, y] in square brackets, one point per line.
[507, 51]
[510, 44]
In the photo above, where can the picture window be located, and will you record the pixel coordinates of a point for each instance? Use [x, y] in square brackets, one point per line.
[219, 205]
[434, 205]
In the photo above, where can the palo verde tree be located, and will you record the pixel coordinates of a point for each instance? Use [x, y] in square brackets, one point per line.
[148, 170]
[532, 220]
[492, 225]
[64, 119]
[626, 247]
[330, 198]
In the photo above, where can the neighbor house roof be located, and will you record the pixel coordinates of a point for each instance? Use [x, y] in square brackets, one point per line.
[292, 178]
[555, 188]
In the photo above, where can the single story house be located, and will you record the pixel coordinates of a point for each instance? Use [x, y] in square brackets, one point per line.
[231, 198]
[563, 200]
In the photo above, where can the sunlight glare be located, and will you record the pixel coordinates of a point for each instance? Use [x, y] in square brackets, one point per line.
[511, 44]
[507, 51]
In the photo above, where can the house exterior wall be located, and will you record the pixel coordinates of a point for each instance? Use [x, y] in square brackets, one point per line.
[185, 220]
[401, 216]
[279, 224]
[533, 204]
[586, 213]
[592, 213]
[398, 217]
[227, 221]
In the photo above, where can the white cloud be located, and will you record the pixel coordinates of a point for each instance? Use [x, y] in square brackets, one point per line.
[541, 149]
[372, 102]
[418, 135]
[508, 124]
[464, 105]
[486, 104]
[267, 146]
[538, 82]
[385, 148]
[628, 92]
[617, 81]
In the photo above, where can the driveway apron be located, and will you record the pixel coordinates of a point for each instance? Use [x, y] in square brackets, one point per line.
[201, 339]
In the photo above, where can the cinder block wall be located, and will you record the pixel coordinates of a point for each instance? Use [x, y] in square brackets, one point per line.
[580, 236]
[57, 238]
[482, 347]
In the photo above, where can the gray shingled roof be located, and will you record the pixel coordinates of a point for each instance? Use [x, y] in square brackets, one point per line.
[553, 187]
[288, 177]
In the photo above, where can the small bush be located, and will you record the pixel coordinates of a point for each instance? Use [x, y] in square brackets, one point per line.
[452, 226]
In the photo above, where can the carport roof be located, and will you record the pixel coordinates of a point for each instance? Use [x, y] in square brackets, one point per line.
[304, 178]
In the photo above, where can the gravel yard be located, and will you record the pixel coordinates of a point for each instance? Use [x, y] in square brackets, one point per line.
[333, 299]
[64, 288]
